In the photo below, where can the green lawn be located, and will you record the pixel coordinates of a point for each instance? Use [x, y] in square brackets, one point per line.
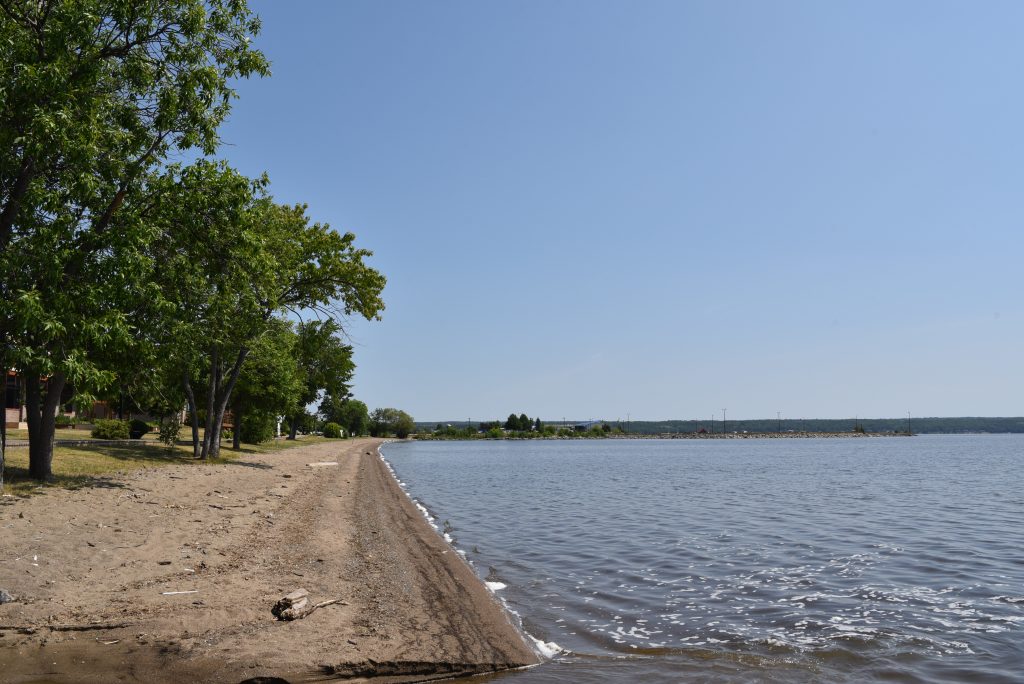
[62, 433]
[86, 466]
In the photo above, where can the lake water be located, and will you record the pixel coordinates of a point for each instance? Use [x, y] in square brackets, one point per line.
[844, 560]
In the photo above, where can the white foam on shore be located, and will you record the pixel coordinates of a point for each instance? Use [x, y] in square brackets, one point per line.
[545, 649]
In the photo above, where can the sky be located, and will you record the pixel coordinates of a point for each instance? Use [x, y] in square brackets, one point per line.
[594, 210]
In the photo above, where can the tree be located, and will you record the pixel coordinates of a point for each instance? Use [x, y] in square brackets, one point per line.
[352, 415]
[325, 364]
[270, 383]
[391, 421]
[230, 259]
[95, 94]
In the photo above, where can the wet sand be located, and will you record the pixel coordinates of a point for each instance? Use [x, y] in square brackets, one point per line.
[90, 571]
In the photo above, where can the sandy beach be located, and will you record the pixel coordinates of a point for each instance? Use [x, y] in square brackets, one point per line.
[169, 574]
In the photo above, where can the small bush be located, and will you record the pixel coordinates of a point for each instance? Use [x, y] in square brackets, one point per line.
[332, 430]
[110, 429]
[137, 428]
[63, 421]
[170, 426]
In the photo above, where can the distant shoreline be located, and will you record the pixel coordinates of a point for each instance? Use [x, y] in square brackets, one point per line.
[762, 435]
[672, 435]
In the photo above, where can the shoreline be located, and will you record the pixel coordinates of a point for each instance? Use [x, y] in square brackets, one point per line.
[680, 435]
[91, 571]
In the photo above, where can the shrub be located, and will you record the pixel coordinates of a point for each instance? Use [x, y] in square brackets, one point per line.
[110, 429]
[137, 428]
[63, 421]
[257, 428]
[170, 426]
[332, 430]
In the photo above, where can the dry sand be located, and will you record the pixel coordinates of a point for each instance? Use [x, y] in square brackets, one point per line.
[238, 537]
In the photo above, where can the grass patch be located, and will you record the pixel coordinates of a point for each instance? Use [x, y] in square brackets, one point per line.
[100, 465]
[69, 434]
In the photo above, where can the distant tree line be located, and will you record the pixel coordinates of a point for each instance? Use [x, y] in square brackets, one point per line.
[868, 425]
[500, 429]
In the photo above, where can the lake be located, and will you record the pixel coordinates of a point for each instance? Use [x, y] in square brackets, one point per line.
[780, 560]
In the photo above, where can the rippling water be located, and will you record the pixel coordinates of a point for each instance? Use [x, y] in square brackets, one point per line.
[890, 559]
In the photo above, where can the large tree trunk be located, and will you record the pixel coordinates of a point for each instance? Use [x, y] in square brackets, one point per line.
[218, 398]
[225, 398]
[14, 196]
[193, 415]
[211, 397]
[42, 414]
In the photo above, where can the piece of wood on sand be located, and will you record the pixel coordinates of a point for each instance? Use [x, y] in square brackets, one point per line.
[296, 605]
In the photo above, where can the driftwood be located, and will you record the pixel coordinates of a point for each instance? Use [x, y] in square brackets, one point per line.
[296, 605]
[291, 606]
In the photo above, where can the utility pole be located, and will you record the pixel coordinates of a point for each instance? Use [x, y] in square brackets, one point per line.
[627, 422]
[778, 414]
[712, 423]
[723, 421]
[909, 431]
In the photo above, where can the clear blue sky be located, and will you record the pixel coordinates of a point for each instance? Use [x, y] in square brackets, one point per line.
[588, 209]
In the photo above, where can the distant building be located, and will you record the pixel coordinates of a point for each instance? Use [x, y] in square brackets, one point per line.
[15, 414]
[14, 408]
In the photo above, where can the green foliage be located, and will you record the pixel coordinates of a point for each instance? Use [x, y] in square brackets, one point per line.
[137, 428]
[257, 427]
[324, 361]
[306, 422]
[390, 421]
[169, 428]
[450, 432]
[270, 381]
[332, 430]
[520, 423]
[495, 433]
[230, 260]
[64, 421]
[351, 414]
[110, 429]
[94, 95]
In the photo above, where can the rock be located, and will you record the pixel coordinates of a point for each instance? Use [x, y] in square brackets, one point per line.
[5, 597]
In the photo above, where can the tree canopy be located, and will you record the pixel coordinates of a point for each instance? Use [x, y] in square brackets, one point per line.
[94, 96]
[228, 260]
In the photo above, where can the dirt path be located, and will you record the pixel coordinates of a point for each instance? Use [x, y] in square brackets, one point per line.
[237, 537]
